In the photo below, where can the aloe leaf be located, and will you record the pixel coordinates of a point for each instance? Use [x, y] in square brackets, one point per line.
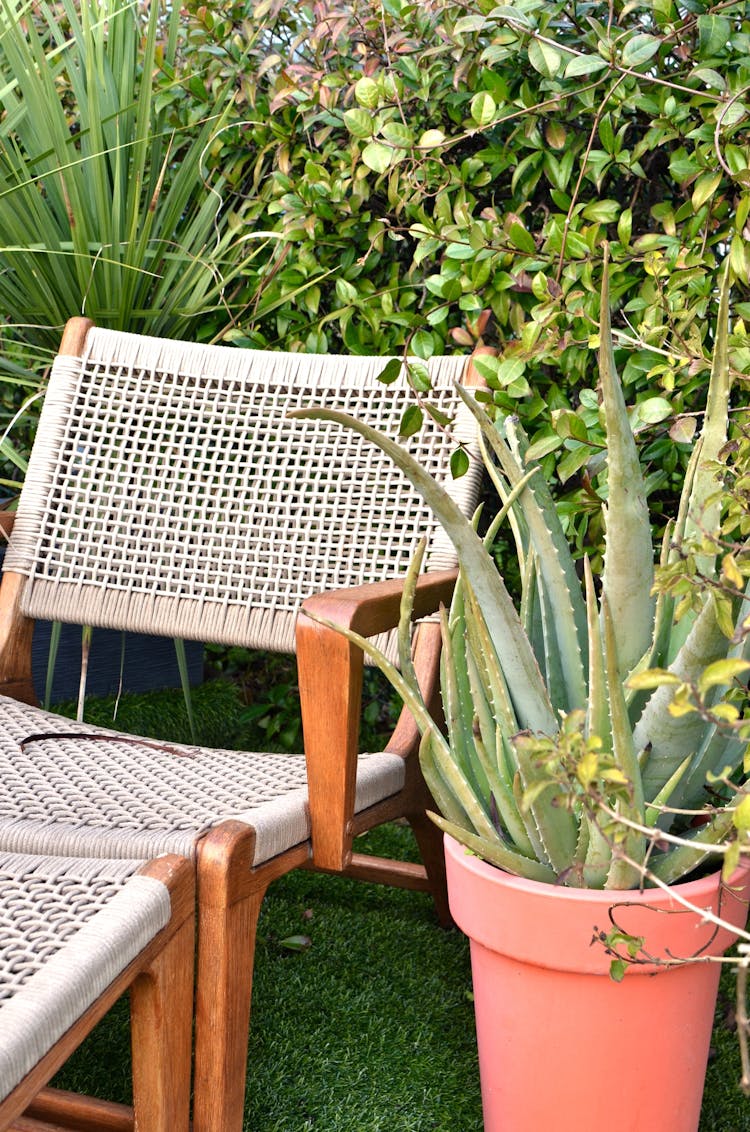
[598, 860]
[659, 655]
[598, 720]
[523, 677]
[681, 859]
[509, 496]
[717, 752]
[531, 607]
[671, 738]
[442, 794]
[483, 650]
[411, 695]
[405, 618]
[560, 589]
[493, 722]
[666, 794]
[622, 874]
[554, 828]
[458, 707]
[629, 555]
[495, 853]
[704, 514]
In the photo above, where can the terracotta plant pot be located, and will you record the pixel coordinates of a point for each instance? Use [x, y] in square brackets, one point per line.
[562, 1045]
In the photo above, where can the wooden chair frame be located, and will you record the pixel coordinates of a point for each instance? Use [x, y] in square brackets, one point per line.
[160, 981]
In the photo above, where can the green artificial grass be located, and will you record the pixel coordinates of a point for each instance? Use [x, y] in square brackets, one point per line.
[362, 1015]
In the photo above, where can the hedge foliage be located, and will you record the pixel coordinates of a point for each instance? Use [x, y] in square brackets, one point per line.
[447, 173]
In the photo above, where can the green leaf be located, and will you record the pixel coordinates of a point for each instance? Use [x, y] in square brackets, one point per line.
[419, 376]
[391, 371]
[584, 65]
[618, 969]
[423, 345]
[510, 370]
[544, 58]
[602, 211]
[398, 134]
[459, 463]
[741, 816]
[378, 156]
[714, 33]
[483, 108]
[366, 92]
[296, 943]
[411, 421]
[521, 238]
[652, 410]
[629, 554]
[705, 187]
[359, 123]
[430, 139]
[722, 672]
[653, 678]
[639, 50]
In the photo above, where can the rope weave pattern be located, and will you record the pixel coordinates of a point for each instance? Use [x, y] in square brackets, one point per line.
[120, 799]
[67, 929]
[169, 494]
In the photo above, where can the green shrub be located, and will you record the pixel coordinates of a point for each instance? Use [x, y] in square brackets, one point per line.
[448, 173]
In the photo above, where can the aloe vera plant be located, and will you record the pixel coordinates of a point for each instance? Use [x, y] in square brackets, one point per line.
[562, 746]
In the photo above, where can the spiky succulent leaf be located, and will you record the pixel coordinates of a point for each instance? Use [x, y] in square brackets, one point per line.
[681, 860]
[597, 713]
[524, 680]
[554, 827]
[498, 854]
[629, 554]
[622, 874]
[561, 603]
[669, 738]
[704, 512]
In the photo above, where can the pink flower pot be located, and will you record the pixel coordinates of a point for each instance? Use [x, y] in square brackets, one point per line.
[564, 1047]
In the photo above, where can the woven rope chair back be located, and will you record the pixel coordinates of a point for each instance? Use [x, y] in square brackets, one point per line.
[168, 492]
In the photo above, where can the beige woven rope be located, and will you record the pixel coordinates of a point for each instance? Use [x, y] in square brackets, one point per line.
[168, 492]
[115, 798]
[67, 929]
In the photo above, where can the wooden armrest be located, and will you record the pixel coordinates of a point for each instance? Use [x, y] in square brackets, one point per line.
[7, 519]
[330, 684]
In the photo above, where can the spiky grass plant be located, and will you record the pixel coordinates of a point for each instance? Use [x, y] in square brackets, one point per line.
[104, 210]
[562, 748]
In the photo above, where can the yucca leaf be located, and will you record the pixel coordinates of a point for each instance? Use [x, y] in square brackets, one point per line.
[629, 555]
[187, 694]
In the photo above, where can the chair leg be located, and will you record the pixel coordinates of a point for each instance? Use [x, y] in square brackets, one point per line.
[226, 947]
[161, 1005]
[430, 842]
[230, 895]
